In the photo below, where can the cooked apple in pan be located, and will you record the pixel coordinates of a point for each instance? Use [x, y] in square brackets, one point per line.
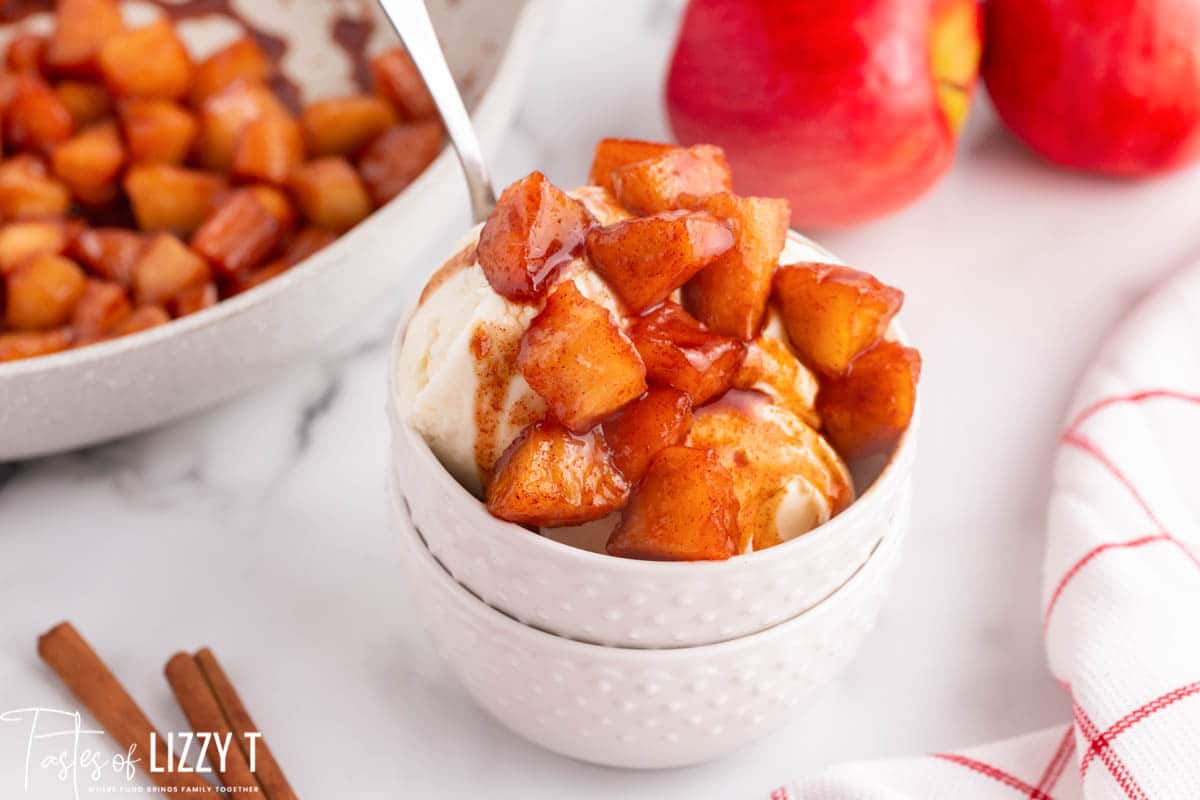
[138, 184]
[655, 345]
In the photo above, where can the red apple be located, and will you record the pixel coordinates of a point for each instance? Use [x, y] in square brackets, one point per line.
[1111, 86]
[849, 110]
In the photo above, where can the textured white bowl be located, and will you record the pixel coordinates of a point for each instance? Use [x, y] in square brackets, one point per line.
[84, 396]
[636, 707]
[597, 598]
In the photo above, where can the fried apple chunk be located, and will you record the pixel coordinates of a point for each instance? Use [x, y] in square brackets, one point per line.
[42, 292]
[396, 157]
[866, 410]
[143, 318]
[257, 276]
[660, 418]
[101, 309]
[551, 477]
[397, 80]
[193, 299]
[342, 126]
[111, 253]
[680, 352]
[147, 62]
[170, 198]
[157, 131]
[34, 118]
[28, 190]
[239, 234]
[166, 268]
[276, 201]
[730, 295]
[25, 53]
[226, 115]
[614, 153]
[534, 230]
[654, 185]
[833, 313]
[269, 149]
[684, 509]
[579, 360]
[89, 162]
[303, 245]
[85, 102]
[27, 344]
[241, 60]
[24, 239]
[307, 242]
[330, 193]
[81, 27]
[644, 259]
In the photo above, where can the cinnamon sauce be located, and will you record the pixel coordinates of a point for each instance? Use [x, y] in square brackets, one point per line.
[495, 366]
[352, 36]
[771, 368]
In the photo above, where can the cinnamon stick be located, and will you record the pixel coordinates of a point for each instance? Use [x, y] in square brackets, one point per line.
[90, 679]
[270, 776]
[204, 713]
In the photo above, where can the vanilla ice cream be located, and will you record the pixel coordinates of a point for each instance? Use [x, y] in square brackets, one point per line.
[459, 386]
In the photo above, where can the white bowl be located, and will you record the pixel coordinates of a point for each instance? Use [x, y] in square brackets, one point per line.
[637, 707]
[84, 396]
[597, 598]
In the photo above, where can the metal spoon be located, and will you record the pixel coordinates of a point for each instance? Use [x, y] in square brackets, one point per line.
[411, 20]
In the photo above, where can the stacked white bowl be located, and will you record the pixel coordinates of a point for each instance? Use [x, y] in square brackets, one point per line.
[640, 663]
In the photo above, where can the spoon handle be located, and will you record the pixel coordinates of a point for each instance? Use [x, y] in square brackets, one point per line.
[411, 20]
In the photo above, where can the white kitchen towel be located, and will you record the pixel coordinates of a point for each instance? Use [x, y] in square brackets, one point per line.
[1120, 593]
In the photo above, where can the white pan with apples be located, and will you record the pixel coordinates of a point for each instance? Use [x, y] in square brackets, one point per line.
[85, 396]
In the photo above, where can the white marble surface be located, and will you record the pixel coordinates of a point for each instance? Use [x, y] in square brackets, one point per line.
[260, 528]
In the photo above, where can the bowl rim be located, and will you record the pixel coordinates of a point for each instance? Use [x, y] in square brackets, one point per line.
[524, 26]
[895, 470]
[434, 571]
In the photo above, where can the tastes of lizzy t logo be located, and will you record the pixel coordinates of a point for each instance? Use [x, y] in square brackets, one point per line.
[57, 745]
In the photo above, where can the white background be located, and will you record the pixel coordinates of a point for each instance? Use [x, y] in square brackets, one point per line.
[260, 528]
